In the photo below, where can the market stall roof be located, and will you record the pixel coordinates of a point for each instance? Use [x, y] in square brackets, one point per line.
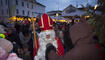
[58, 18]
[76, 13]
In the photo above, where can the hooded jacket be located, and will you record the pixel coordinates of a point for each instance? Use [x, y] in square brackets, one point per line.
[84, 46]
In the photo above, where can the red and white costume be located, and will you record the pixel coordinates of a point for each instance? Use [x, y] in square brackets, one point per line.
[46, 26]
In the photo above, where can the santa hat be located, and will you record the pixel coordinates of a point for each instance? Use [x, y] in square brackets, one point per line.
[45, 22]
[6, 45]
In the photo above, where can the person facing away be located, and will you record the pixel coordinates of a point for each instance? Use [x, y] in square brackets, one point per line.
[84, 46]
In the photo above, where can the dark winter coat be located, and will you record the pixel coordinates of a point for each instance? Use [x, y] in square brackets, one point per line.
[84, 46]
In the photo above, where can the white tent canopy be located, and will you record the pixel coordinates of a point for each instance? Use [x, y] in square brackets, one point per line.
[76, 13]
[58, 18]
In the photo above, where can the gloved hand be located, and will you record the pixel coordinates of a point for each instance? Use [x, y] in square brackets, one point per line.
[49, 47]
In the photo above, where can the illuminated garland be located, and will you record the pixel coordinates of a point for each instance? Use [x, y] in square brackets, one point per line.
[14, 18]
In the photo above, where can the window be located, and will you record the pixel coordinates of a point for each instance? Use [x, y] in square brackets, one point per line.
[17, 11]
[23, 12]
[7, 11]
[32, 6]
[1, 2]
[27, 5]
[2, 12]
[32, 13]
[28, 13]
[22, 3]
[6, 2]
[16, 2]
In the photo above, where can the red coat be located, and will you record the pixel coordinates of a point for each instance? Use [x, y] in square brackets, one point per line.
[37, 47]
[99, 49]
[60, 47]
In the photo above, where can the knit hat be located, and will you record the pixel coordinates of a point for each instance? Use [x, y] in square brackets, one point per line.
[2, 29]
[6, 45]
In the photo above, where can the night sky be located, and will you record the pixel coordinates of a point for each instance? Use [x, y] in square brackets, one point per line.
[61, 4]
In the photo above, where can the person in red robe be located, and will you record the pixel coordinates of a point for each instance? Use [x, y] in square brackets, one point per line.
[46, 36]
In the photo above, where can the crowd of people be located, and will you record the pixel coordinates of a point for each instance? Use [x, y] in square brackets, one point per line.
[77, 40]
[20, 35]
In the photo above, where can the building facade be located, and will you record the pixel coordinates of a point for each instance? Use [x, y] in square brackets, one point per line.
[20, 8]
[72, 11]
[4, 11]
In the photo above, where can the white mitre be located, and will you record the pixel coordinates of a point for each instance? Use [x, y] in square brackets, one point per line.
[43, 41]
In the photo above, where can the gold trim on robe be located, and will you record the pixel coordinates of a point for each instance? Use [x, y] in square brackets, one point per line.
[49, 22]
[42, 23]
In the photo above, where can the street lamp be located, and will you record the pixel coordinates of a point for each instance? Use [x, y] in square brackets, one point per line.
[95, 7]
[56, 16]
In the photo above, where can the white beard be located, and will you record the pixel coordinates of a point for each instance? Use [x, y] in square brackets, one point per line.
[43, 41]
